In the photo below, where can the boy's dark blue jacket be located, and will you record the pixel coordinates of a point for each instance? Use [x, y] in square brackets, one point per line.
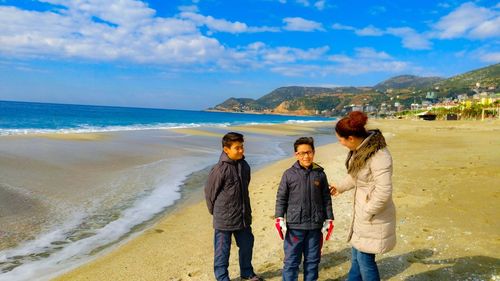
[304, 196]
[226, 194]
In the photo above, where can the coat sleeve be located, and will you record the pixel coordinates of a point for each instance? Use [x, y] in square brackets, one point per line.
[346, 184]
[282, 197]
[327, 199]
[381, 169]
[213, 187]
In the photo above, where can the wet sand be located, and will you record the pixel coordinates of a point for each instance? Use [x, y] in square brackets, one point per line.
[446, 190]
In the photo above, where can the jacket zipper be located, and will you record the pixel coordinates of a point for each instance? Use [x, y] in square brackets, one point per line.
[238, 169]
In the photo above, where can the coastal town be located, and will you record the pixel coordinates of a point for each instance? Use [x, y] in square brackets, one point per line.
[484, 102]
[472, 95]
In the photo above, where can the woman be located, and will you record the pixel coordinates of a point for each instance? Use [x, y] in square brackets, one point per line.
[369, 167]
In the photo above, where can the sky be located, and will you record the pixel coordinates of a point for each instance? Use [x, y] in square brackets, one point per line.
[194, 54]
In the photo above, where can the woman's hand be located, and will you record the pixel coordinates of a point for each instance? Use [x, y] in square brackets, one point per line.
[334, 191]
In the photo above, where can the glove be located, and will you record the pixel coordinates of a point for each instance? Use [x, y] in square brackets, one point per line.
[328, 228]
[281, 227]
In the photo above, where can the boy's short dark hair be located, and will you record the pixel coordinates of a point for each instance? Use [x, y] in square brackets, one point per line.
[303, 140]
[229, 138]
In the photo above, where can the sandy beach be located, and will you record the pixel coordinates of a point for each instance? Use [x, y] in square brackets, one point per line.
[446, 190]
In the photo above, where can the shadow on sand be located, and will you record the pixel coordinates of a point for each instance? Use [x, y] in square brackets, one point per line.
[463, 268]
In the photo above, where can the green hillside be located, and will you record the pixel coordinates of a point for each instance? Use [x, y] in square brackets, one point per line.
[407, 82]
[403, 90]
[465, 83]
[282, 94]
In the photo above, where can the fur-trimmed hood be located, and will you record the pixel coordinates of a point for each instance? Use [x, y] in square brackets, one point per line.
[370, 145]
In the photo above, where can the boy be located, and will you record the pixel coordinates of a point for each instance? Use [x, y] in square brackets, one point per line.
[226, 193]
[304, 198]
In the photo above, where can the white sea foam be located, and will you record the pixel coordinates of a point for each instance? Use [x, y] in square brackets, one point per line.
[307, 121]
[163, 192]
[160, 126]
[72, 254]
[93, 129]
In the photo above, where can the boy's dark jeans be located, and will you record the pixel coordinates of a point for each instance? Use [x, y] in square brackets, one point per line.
[222, 246]
[298, 243]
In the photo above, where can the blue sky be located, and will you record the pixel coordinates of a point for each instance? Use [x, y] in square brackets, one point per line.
[195, 54]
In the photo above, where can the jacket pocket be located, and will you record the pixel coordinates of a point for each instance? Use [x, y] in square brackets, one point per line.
[318, 215]
[293, 215]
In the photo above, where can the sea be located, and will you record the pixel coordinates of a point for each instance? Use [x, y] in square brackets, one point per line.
[63, 202]
[30, 118]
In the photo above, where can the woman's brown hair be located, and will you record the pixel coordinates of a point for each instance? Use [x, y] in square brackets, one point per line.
[352, 125]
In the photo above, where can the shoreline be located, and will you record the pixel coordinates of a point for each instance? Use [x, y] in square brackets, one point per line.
[116, 143]
[429, 247]
[190, 211]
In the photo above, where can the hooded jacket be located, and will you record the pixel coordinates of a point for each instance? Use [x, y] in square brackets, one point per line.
[226, 194]
[304, 197]
[373, 227]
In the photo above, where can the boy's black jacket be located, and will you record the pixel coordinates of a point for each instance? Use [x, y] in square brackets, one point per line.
[226, 194]
[304, 196]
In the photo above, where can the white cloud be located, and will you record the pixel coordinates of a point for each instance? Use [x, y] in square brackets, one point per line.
[123, 12]
[493, 57]
[376, 10]
[443, 5]
[369, 31]
[467, 21]
[123, 30]
[258, 55]
[370, 53]
[302, 70]
[367, 60]
[300, 24]
[287, 54]
[75, 34]
[487, 29]
[320, 5]
[221, 25]
[215, 24]
[411, 39]
[470, 21]
[191, 8]
[305, 3]
[338, 26]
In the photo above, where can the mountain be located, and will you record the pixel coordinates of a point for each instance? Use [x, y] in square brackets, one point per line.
[485, 77]
[239, 105]
[400, 90]
[282, 94]
[407, 82]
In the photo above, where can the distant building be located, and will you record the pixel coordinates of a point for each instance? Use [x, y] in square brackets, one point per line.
[426, 104]
[370, 108]
[357, 108]
[415, 106]
[430, 95]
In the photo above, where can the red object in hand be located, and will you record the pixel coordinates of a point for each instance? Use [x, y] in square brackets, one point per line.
[329, 230]
[278, 227]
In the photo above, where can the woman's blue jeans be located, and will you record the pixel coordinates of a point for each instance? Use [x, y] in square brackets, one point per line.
[363, 267]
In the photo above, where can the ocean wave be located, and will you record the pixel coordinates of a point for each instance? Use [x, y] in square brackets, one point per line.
[59, 250]
[139, 127]
[307, 121]
[94, 129]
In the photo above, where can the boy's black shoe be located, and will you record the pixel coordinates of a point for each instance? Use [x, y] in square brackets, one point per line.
[253, 278]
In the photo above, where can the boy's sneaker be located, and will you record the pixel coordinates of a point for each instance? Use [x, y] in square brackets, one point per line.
[253, 278]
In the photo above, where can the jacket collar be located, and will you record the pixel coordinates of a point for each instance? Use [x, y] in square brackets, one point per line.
[224, 158]
[356, 160]
[315, 167]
